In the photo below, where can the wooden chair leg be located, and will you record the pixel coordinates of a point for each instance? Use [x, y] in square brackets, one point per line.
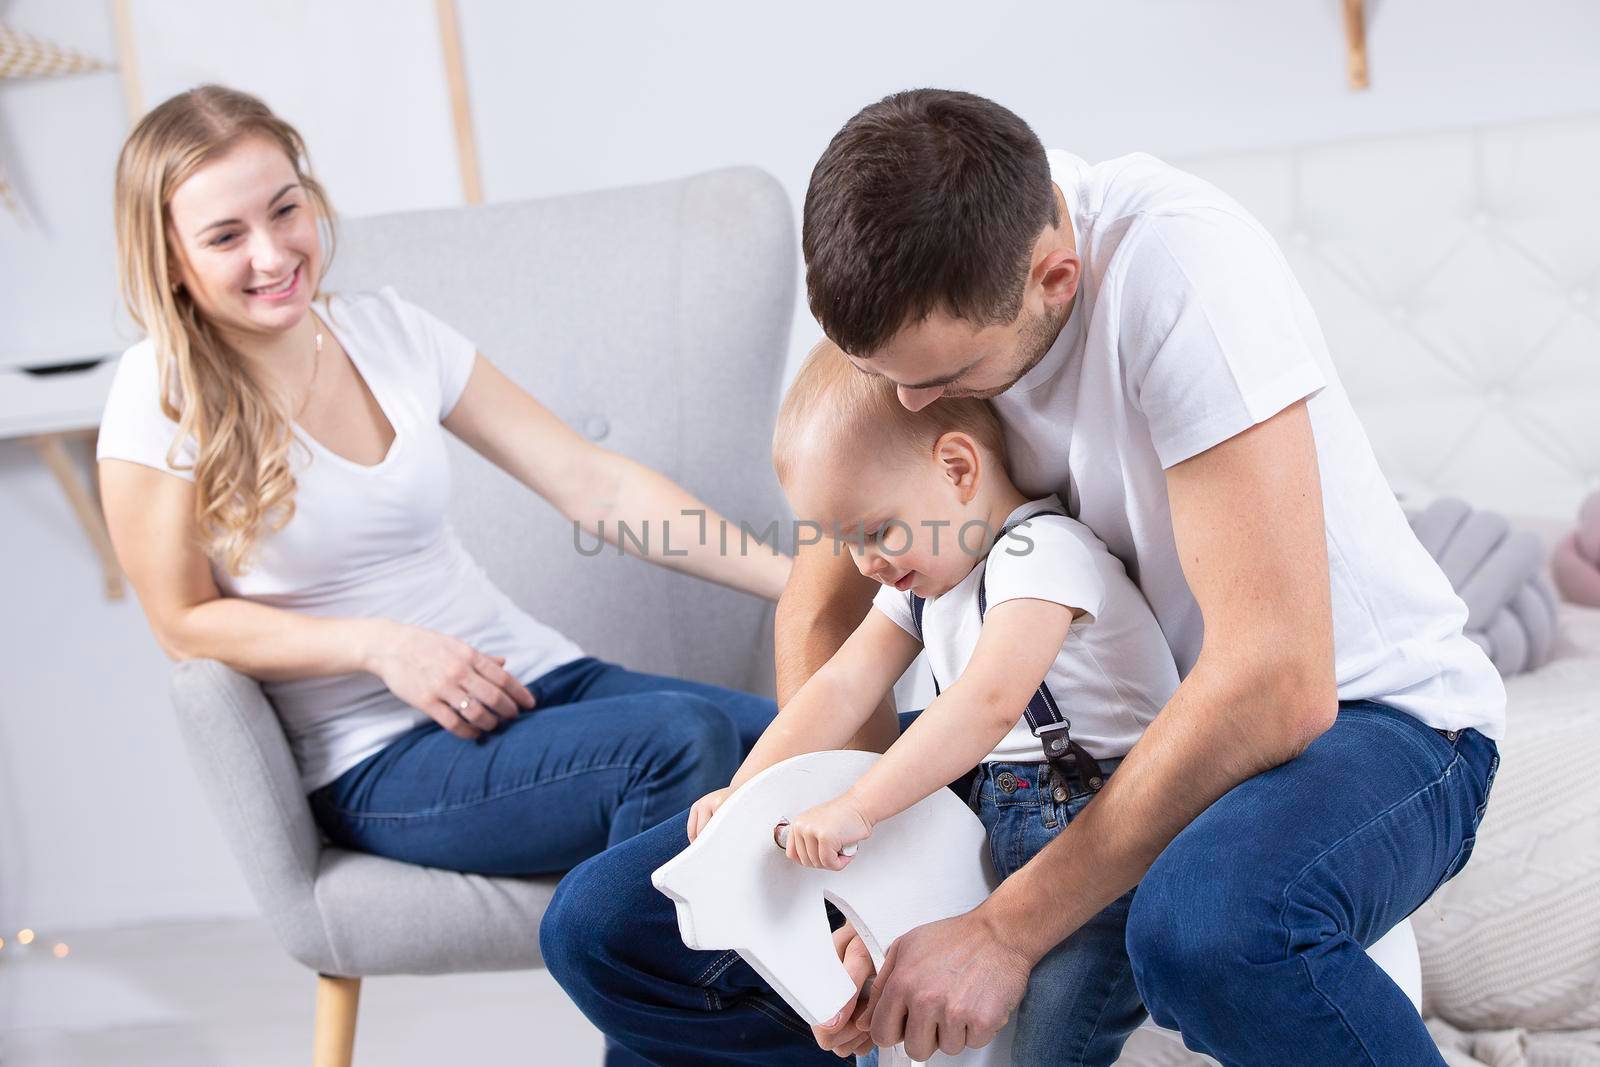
[86, 503]
[335, 1039]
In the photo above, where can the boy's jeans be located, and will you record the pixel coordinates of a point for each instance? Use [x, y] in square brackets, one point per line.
[1247, 934]
[1081, 1003]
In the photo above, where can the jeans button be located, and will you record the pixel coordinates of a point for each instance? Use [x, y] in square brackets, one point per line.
[1451, 734]
[1006, 782]
[1060, 794]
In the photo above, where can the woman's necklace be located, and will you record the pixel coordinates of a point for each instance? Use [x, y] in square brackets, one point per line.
[316, 365]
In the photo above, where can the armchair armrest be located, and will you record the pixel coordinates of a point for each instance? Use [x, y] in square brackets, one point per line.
[245, 767]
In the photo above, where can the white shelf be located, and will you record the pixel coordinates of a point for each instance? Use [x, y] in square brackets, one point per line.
[53, 403]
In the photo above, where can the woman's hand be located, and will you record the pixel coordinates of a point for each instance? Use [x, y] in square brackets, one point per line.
[460, 688]
[817, 838]
[706, 807]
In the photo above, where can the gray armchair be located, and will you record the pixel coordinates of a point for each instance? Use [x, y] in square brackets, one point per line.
[655, 319]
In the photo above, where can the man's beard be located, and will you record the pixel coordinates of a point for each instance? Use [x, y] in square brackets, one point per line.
[1034, 340]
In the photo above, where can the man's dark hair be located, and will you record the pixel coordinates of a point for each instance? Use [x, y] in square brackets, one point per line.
[928, 200]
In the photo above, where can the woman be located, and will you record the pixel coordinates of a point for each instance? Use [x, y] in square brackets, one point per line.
[275, 481]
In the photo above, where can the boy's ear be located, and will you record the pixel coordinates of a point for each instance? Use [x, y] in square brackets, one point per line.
[958, 458]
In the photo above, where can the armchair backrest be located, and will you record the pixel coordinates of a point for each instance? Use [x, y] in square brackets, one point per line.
[653, 319]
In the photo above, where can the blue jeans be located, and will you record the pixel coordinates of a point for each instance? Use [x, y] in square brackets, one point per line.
[604, 754]
[1081, 1004]
[1247, 934]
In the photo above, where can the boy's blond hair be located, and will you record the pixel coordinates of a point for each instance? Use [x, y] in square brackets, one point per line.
[832, 402]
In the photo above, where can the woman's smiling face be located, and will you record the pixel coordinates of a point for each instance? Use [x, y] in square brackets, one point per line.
[244, 240]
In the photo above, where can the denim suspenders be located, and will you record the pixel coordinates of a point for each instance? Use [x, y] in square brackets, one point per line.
[1068, 758]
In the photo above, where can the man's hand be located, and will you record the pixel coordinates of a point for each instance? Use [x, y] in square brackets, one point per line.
[847, 1035]
[946, 986]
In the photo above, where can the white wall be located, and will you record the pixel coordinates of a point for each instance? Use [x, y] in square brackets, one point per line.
[673, 88]
[57, 270]
[99, 819]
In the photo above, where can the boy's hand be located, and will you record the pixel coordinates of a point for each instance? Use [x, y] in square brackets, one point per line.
[817, 837]
[706, 807]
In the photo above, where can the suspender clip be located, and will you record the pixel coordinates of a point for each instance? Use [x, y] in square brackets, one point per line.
[1056, 737]
[1069, 759]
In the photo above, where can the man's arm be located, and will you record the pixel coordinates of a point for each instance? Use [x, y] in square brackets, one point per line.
[824, 601]
[1247, 518]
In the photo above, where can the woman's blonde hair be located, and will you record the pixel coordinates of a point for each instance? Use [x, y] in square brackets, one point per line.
[831, 401]
[243, 480]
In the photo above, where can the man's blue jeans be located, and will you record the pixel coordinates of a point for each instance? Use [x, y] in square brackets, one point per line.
[604, 753]
[1247, 934]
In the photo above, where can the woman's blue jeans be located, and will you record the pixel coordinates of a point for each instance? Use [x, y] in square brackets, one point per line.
[1247, 934]
[604, 754]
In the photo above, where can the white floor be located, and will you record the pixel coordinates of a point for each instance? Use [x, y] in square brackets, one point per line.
[222, 994]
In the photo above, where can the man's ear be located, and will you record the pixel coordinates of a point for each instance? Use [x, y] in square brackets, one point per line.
[959, 462]
[1057, 274]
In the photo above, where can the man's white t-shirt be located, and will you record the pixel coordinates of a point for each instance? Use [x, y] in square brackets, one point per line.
[1189, 328]
[1114, 672]
[364, 542]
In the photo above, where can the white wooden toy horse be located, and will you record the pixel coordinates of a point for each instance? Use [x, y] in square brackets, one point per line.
[734, 888]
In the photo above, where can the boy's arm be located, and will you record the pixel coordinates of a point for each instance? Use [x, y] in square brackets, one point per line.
[839, 698]
[1017, 646]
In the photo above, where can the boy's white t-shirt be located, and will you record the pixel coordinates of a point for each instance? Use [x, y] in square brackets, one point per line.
[1114, 672]
[364, 542]
[1189, 328]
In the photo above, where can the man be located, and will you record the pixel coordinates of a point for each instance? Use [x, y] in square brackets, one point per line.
[1324, 764]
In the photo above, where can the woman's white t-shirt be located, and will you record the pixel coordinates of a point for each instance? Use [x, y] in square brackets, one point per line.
[364, 542]
[1114, 672]
[1189, 328]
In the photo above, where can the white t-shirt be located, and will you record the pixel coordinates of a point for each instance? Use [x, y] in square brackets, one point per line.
[1114, 672]
[364, 542]
[1189, 328]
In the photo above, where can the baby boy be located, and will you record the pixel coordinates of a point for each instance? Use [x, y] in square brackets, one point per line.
[1047, 661]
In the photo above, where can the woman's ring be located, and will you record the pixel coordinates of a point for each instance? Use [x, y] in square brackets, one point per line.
[466, 702]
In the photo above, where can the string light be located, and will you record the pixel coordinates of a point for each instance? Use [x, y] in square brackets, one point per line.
[26, 937]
